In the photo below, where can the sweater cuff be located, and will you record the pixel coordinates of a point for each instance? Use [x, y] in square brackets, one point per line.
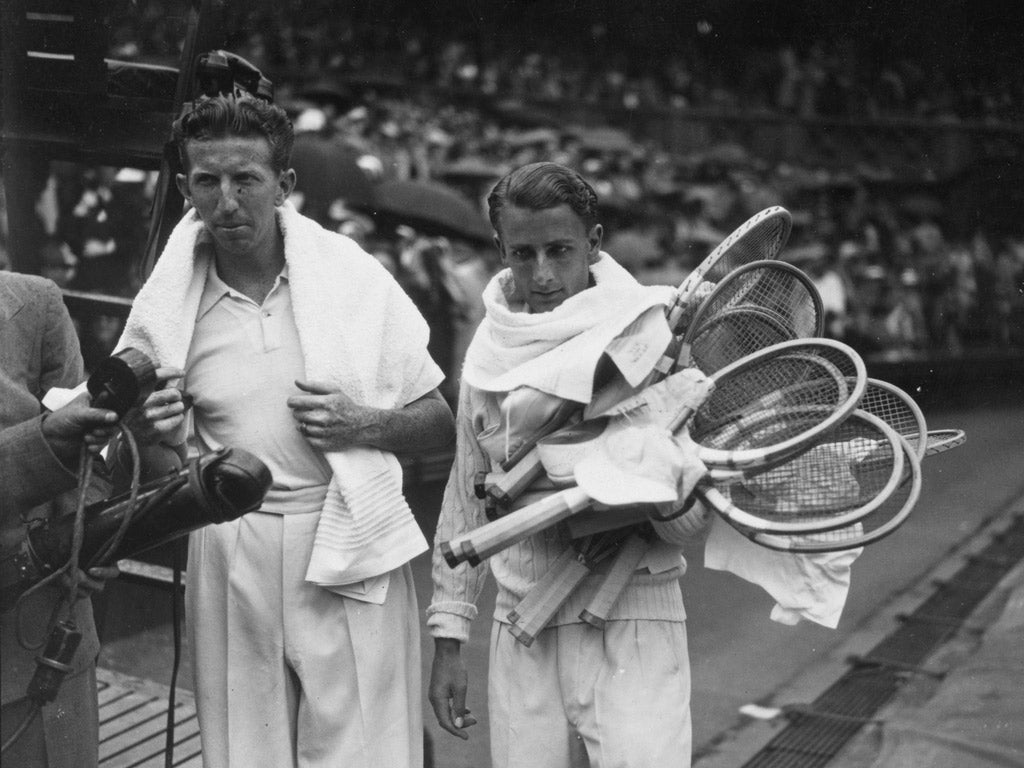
[451, 619]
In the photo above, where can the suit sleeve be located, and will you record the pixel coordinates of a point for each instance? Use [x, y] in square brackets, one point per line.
[32, 472]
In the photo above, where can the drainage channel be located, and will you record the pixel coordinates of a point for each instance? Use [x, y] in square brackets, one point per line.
[818, 731]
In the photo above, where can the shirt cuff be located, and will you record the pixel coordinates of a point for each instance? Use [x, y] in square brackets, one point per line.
[451, 619]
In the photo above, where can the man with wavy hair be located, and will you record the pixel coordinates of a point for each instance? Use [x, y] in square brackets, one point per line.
[298, 346]
[578, 695]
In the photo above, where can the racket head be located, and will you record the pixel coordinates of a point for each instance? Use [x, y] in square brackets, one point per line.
[753, 307]
[761, 236]
[804, 388]
[874, 526]
[775, 286]
[731, 335]
[842, 478]
[942, 440]
[897, 409]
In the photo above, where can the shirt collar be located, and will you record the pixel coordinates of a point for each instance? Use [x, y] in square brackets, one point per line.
[216, 289]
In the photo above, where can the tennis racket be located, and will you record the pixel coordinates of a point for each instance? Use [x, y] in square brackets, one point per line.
[876, 525]
[794, 392]
[942, 440]
[626, 561]
[477, 545]
[889, 403]
[897, 409]
[549, 594]
[760, 237]
[841, 478]
[753, 307]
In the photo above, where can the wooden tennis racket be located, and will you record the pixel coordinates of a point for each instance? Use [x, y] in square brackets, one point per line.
[876, 525]
[753, 307]
[841, 478]
[760, 237]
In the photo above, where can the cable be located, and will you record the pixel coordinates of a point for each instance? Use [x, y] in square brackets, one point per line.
[26, 721]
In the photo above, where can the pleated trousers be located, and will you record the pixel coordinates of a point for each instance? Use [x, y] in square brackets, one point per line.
[288, 673]
[581, 697]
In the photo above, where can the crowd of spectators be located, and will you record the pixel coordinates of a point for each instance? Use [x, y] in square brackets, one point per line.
[896, 275]
[678, 61]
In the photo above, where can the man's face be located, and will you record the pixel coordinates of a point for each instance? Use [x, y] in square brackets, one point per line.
[549, 252]
[234, 189]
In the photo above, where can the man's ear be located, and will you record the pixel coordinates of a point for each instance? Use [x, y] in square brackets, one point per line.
[595, 238]
[285, 186]
[181, 181]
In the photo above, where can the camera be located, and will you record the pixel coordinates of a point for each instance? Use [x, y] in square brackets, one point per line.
[213, 488]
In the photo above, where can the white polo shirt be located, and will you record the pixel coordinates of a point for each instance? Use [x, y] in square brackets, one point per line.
[241, 369]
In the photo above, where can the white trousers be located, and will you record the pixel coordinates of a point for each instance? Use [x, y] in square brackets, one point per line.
[581, 697]
[288, 674]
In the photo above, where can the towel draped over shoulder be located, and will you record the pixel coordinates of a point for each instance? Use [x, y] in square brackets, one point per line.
[358, 331]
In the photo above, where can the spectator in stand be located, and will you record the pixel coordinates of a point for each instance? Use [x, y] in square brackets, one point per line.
[827, 277]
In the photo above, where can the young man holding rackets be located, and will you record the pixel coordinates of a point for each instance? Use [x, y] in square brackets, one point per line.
[577, 695]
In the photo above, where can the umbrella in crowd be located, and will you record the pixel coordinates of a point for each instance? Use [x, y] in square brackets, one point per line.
[432, 208]
[326, 171]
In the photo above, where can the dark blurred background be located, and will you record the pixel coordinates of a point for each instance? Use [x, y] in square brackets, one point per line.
[892, 131]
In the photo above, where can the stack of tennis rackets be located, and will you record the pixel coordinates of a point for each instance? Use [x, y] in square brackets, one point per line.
[804, 453]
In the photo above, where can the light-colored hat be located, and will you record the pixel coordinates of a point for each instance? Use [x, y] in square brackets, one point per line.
[631, 465]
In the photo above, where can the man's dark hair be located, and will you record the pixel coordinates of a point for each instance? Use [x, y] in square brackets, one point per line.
[543, 185]
[221, 117]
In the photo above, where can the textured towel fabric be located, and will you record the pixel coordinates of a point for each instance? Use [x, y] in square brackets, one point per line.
[514, 348]
[354, 322]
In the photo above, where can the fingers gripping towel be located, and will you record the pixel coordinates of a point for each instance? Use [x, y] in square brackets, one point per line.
[354, 322]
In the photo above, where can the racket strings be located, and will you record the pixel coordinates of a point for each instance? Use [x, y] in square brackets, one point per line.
[896, 408]
[779, 386]
[779, 289]
[851, 468]
[881, 521]
[762, 238]
[731, 336]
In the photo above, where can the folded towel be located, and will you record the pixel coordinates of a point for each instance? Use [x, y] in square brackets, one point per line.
[354, 322]
[514, 348]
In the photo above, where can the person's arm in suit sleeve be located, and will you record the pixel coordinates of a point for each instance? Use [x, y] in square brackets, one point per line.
[39, 456]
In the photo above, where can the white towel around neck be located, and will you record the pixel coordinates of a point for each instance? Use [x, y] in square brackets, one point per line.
[359, 331]
[557, 351]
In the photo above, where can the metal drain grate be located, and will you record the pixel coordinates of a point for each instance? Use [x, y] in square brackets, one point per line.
[817, 732]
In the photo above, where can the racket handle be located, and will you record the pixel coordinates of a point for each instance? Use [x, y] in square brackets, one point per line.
[479, 544]
[626, 561]
[544, 599]
[509, 486]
